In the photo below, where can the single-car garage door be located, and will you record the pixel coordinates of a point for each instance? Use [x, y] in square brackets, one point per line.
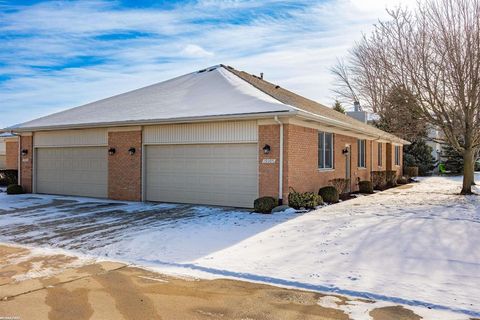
[215, 174]
[79, 171]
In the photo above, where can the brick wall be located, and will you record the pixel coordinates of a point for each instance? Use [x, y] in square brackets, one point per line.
[11, 155]
[268, 172]
[125, 170]
[302, 161]
[26, 163]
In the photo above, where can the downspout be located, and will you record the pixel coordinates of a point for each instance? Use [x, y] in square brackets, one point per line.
[280, 170]
[371, 160]
[19, 161]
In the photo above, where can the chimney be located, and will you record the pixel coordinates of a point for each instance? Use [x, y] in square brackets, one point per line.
[358, 113]
[261, 75]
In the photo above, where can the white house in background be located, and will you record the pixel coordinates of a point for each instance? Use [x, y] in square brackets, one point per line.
[435, 135]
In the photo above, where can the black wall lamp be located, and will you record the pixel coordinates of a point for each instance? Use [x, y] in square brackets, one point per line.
[111, 151]
[345, 151]
[266, 149]
[24, 152]
[131, 151]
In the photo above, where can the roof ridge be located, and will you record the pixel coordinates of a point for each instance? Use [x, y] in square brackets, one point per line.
[315, 106]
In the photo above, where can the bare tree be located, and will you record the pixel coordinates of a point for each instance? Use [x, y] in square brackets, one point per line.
[433, 52]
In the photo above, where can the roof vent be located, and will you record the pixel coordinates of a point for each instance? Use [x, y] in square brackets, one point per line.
[276, 87]
[203, 70]
[261, 75]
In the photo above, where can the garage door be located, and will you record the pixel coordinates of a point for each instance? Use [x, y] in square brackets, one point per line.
[215, 174]
[3, 161]
[81, 171]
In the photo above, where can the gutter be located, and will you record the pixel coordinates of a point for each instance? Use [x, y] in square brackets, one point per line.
[152, 122]
[280, 169]
[348, 127]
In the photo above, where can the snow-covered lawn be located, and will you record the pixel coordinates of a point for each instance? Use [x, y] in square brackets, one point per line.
[416, 245]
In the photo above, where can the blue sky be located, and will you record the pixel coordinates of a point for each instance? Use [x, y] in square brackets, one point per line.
[59, 54]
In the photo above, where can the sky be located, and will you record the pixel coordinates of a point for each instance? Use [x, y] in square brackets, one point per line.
[55, 55]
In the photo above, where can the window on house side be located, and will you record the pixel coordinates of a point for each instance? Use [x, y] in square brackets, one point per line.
[397, 155]
[361, 153]
[325, 150]
[380, 152]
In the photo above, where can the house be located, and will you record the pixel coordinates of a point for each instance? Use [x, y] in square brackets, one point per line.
[217, 136]
[8, 151]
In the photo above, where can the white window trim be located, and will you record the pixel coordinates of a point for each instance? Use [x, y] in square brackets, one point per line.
[380, 154]
[397, 155]
[332, 168]
[364, 142]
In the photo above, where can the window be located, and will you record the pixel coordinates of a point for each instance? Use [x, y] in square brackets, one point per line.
[380, 153]
[362, 163]
[397, 155]
[325, 150]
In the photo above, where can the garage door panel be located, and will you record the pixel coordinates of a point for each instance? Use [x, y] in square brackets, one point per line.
[79, 171]
[217, 174]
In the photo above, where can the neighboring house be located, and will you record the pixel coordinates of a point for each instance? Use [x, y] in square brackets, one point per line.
[208, 137]
[435, 137]
[8, 151]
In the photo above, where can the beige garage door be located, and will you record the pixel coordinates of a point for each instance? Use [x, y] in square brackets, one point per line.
[215, 174]
[81, 171]
[3, 160]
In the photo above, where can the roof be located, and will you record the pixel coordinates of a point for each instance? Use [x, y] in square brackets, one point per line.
[215, 92]
[295, 100]
[209, 92]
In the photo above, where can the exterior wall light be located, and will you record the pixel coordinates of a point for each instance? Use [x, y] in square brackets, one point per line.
[266, 149]
[345, 151]
[131, 151]
[24, 152]
[111, 151]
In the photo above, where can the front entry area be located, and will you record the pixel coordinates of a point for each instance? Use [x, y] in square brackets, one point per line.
[212, 174]
[76, 171]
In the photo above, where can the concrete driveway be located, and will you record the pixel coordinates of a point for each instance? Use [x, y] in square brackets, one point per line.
[107, 228]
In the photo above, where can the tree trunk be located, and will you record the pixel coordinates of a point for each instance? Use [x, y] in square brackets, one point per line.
[468, 175]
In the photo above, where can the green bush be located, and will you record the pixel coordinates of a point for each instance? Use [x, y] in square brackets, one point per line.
[14, 189]
[8, 177]
[265, 204]
[329, 194]
[391, 178]
[307, 200]
[411, 172]
[365, 186]
[379, 180]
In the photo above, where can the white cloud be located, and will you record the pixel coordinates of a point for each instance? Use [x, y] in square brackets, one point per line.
[42, 46]
[192, 50]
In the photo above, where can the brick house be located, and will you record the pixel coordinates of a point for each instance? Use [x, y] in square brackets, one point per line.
[218, 136]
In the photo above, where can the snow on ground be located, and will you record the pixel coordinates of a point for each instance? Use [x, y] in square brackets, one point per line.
[416, 245]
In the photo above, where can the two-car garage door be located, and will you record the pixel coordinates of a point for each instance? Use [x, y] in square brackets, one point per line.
[78, 171]
[217, 174]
